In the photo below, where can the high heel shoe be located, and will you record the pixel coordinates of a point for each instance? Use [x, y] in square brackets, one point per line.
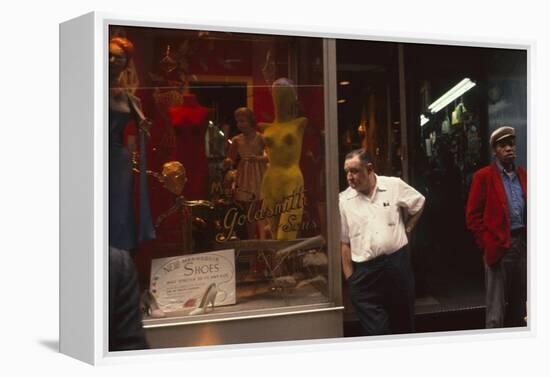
[208, 298]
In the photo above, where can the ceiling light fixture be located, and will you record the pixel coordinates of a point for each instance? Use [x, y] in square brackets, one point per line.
[452, 94]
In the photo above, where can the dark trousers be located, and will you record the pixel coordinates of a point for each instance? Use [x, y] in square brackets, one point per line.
[506, 286]
[382, 293]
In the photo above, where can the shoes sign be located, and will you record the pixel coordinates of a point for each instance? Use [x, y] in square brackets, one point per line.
[195, 283]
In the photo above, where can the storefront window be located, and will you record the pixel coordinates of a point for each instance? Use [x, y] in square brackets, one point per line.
[217, 177]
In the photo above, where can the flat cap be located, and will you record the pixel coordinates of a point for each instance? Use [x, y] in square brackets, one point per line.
[501, 133]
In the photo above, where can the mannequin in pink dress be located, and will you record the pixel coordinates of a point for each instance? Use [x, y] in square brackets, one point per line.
[247, 151]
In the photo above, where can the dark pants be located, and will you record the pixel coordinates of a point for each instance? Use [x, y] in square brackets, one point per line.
[382, 293]
[506, 286]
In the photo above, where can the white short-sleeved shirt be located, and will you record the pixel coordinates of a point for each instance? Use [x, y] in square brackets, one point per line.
[375, 227]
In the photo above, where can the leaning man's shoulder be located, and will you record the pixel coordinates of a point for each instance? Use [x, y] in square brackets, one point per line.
[389, 180]
[345, 194]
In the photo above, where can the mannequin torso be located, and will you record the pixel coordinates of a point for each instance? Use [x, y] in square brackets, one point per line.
[283, 178]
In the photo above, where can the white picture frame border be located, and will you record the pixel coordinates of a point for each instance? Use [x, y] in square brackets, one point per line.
[83, 194]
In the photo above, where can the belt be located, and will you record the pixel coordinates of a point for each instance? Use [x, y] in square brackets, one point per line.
[519, 232]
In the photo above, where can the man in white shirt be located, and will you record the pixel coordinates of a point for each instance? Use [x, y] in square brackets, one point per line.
[374, 246]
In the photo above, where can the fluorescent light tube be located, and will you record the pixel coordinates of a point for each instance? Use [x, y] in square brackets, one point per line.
[455, 92]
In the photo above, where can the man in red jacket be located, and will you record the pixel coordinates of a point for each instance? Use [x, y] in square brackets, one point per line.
[496, 214]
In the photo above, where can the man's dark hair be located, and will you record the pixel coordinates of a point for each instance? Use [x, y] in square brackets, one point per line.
[364, 156]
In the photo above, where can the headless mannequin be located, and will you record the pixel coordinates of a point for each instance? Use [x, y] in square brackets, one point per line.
[185, 124]
[283, 178]
[165, 98]
[190, 121]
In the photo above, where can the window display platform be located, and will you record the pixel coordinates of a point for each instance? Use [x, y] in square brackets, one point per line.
[270, 313]
[316, 321]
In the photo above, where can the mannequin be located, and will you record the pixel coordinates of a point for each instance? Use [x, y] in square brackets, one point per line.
[123, 106]
[174, 178]
[283, 178]
[248, 147]
[125, 321]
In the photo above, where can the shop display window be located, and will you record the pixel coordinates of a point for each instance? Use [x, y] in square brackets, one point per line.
[216, 169]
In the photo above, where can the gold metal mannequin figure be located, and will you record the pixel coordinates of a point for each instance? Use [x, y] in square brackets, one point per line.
[283, 183]
[173, 178]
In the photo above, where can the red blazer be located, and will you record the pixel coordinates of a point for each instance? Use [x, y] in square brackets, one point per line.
[488, 213]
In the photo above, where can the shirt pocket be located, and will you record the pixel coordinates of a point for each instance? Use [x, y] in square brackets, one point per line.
[391, 214]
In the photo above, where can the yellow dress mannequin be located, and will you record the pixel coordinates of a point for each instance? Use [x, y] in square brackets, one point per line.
[283, 182]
